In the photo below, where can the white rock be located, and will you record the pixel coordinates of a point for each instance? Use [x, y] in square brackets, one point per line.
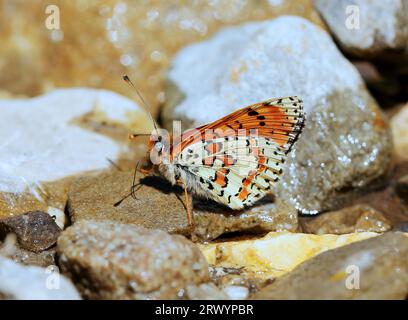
[40, 142]
[235, 68]
[34, 283]
[367, 24]
[59, 216]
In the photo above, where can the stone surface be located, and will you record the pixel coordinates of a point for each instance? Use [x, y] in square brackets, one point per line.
[212, 220]
[382, 265]
[161, 206]
[399, 125]
[281, 57]
[358, 218]
[136, 37]
[33, 283]
[205, 291]
[36, 231]
[401, 188]
[9, 248]
[48, 139]
[367, 27]
[116, 261]
[239, 277]
[264, 258]
[158, 204]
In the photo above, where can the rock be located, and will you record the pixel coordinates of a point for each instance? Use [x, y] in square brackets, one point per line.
[376, 268]
[205, 291]
[239, 278]
[367, 27]
[36, 231]
[158, 204]
[137, 38]
[401, 188]
[43, 259]
[9, 248]
[399, 125]
[161, 206]
[281, 57]
[383, 199]
[263, 258]
[33, 283]
[358, 218]
[48, 139]
[117, 261]
[212, 220]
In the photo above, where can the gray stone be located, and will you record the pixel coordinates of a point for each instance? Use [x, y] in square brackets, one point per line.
[346, 142]
[381, 263]
[365, 27]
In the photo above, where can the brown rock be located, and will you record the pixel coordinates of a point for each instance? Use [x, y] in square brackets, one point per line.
[10, 249]
[381, 262]
[358, 218]
[158, 205]
[108, 260]
[35, 231]
[212, 220]
[161, 206]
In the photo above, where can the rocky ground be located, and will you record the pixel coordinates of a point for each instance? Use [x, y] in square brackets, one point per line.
[336, 225]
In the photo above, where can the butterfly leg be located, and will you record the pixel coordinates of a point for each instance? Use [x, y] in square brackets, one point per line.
[188, 208]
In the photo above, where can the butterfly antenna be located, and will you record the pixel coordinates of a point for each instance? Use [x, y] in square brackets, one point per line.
[145, 104]
[133, 190]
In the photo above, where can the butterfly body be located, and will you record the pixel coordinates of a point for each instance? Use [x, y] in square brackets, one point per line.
[237, 159]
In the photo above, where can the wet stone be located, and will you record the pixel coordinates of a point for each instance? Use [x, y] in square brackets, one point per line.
[382, 265]
[108, 260]
[35, 231]
[358, 218]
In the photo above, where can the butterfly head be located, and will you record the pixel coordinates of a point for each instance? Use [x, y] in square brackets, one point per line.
[156, 144]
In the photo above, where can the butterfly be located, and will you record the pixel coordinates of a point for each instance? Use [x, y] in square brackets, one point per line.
[237, 159]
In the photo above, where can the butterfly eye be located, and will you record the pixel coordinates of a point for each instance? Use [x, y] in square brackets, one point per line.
[158, 146]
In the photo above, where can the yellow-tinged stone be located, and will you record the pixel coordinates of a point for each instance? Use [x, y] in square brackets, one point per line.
[276, 253]
[399, 126]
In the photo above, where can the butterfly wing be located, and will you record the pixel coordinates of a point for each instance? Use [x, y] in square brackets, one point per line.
[238, 158]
